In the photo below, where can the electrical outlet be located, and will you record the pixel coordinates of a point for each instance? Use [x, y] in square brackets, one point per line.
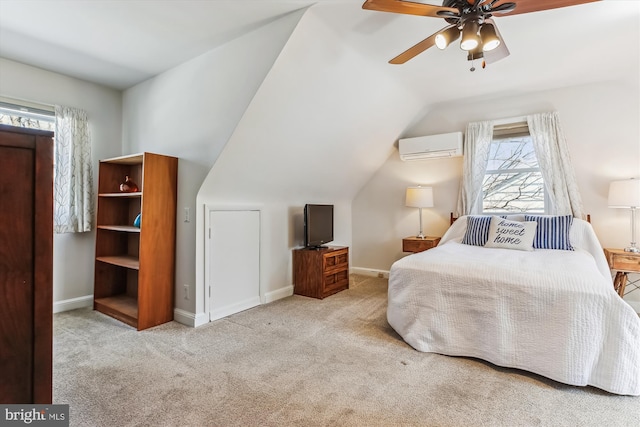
[187, 215]
[186, 291]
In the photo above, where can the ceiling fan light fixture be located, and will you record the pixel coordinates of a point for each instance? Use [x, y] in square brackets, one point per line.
[470, 36]
[447, 36]
[490, 39]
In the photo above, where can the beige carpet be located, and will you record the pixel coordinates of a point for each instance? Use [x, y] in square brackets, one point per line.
[304, 362]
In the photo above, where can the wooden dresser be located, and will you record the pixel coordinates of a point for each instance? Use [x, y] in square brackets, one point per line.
[320, 272]
[26, 265]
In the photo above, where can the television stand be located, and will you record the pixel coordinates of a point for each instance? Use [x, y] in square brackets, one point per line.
[320, 272]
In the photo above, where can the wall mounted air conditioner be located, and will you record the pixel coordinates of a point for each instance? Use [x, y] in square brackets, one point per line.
[431, 147]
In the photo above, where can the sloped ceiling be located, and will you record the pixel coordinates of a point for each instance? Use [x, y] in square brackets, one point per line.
[554, 48]
[332, 107]
[320, 115]
[331, 96]
[121, 43]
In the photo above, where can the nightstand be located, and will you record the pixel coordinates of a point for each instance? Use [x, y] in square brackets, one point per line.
[416, 244]
[623, 262]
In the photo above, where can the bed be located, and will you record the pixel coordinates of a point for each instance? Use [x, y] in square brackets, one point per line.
[548, 311]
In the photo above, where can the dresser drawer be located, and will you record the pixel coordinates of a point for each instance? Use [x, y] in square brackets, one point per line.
[336, 260]
[334, 282]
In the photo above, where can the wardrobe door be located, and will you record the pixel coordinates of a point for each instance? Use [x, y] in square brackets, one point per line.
[26, 238]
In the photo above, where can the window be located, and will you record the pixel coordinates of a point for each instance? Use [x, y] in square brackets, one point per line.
[26, 117]
[72, 178]
[513, 181]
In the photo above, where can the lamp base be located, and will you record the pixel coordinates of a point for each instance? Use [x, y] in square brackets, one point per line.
[633, 249]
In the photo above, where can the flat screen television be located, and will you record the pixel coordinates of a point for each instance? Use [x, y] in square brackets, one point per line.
[318, 225]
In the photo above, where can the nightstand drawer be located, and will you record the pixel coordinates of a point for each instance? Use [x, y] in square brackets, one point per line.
[623, 261]
[626, 263]
[416, 244]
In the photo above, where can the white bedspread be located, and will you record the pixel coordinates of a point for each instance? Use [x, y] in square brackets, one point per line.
[550, 312]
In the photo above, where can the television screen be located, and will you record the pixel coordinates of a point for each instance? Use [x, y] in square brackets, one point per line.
[318, 225]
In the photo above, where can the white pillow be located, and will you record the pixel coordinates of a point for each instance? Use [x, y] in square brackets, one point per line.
[507, 234]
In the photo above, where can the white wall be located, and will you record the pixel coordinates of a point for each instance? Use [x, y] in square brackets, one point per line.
[189, 112]
[308, 136]
[600, 122]
[73, 263]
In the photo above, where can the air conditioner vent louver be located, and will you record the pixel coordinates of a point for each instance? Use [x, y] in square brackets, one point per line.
[431, 147]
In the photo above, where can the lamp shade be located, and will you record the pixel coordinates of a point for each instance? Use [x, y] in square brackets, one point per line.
[489, 37]
[624, 194]
[419, 197]
[470, 36]
[445, 37]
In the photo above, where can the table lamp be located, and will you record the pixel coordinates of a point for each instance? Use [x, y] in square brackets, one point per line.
[419, 197]
[626, 194]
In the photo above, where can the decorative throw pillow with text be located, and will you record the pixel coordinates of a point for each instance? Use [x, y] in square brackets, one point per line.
[507, 234]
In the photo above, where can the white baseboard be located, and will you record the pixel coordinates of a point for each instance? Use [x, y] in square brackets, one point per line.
[284, 292]
[201, 319]
[190, 319]
[73, 303]
[228, 310]
[194, 320]
[369, 272]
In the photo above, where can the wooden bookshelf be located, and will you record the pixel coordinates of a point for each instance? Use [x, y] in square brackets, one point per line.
[135, 267]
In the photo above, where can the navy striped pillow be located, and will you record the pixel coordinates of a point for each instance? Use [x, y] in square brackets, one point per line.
[552, 232]
[477, 232]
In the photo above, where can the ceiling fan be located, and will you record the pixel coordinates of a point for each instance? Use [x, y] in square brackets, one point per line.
[469, 19]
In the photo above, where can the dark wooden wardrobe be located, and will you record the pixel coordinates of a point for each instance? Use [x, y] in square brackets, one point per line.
[26, 265]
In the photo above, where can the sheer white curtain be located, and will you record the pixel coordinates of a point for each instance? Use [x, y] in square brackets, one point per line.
[73, 178]
[477, 141]
[553, 157]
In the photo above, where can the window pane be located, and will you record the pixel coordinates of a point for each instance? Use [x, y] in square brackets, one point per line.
[17, 119]
[513, 192]
[513, 182]
[512, 153]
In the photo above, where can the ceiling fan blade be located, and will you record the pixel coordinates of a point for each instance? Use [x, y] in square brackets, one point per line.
[418, 48]
[501, 52]
[503, 8]
[527, 6]
[410, 8]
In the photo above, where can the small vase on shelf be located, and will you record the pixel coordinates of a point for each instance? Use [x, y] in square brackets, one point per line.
[128, 186]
